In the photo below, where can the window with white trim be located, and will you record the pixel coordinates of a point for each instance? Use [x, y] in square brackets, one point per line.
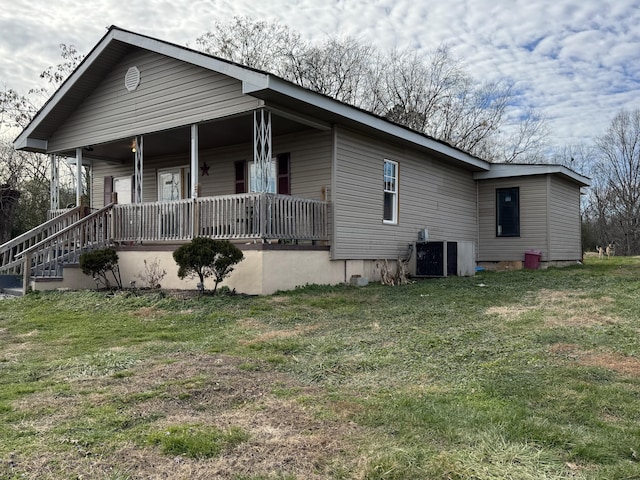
[390, 214]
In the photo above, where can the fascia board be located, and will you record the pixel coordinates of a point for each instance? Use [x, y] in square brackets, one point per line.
[507, 170]
[23, 139]
[245, 75]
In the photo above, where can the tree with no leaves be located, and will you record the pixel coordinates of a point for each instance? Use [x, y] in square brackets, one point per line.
[617, 180]
[430, 93]
[24, 172]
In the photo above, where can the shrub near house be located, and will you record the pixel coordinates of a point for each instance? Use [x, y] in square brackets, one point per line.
[205, 257]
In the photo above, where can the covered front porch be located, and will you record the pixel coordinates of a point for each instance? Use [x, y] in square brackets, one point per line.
[221, 179]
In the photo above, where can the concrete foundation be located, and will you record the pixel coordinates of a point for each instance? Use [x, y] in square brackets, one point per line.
[264, 270]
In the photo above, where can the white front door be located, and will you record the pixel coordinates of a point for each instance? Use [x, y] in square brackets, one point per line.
[169, 185]
[173, 183]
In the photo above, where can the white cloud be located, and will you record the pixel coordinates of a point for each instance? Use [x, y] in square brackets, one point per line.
[575, 60]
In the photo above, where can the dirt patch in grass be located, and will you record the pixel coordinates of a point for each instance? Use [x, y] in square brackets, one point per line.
[623, 364]
[286, 436]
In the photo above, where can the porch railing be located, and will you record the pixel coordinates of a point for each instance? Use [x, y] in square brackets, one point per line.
[57, 212]
[243, 216]
[10, 251]
[47, 257]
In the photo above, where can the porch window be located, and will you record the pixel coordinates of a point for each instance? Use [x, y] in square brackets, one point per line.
[390, 214]
[258, 175]
[508, 212]
[279, 175]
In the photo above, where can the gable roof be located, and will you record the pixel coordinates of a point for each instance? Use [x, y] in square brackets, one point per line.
[116, 43]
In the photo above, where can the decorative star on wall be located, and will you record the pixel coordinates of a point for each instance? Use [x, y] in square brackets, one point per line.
[204, 169]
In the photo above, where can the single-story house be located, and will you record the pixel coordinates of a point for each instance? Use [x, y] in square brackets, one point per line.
[181, 144]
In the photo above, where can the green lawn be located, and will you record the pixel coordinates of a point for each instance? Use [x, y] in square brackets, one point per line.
[517, 375]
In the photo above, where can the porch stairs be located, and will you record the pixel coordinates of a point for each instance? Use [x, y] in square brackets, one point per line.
[42, 253]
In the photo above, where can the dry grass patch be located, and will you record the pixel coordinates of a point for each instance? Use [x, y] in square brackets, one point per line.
[267, 335]
[286, 436]
[623, 364]
[571, 308]
[149, 313]
[15, 346]
[508, 313]
[561, 308]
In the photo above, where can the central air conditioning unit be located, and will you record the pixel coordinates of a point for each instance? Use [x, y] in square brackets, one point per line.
[442, 258]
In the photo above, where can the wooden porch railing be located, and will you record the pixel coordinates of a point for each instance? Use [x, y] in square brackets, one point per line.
[51, 214]
[243, 216]
[10, 251]
[47, 257]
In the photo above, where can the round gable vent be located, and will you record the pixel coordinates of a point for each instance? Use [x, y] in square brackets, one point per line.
[132, 79]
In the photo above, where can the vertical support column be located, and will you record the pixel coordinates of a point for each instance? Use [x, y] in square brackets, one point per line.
[262, 150]
[195, 187]
[194, 161]
[78, 176]
[138, 169]
[54, 190]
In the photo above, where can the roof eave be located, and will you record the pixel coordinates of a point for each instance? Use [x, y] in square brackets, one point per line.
[344, 110]
[508, 170]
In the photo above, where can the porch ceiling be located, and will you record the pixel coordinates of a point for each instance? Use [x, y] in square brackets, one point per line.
[220, 133]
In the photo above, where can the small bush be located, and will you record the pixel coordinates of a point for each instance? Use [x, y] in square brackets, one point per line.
[152, 274]
[99, 263]
[205, 257]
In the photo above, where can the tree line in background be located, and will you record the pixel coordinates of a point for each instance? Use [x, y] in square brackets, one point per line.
[431, 93]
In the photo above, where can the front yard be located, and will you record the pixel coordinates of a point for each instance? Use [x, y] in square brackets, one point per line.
[523, 375]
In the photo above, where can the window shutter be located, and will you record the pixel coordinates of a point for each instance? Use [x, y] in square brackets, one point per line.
[108, 189]
[241, 176]
[284, 175]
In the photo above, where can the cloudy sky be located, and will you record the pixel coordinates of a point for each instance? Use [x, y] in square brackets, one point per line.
[576, 61]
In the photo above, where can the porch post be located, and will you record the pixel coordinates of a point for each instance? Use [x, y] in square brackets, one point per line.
[262, 149]
[138, 169]
[54, 190]
[78, 176]
[194, 161]
[195, 188]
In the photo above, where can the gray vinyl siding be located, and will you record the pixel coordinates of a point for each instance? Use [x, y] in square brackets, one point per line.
[310, 162]
[533, 219]
[310, 167]
[431, 194]
[564, 220]
[171, 93]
